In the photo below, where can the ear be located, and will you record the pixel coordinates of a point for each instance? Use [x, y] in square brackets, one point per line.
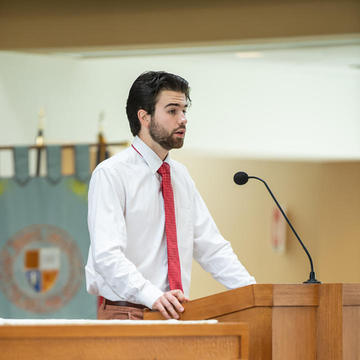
[144, 118]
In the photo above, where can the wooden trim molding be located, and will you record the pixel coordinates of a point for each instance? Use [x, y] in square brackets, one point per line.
[68, 25]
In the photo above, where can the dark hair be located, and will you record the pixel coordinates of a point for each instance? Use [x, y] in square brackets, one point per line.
[145, 90]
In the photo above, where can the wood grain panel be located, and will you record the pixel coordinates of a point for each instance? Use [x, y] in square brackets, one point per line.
[301, 322]
[295, 295]
[210, 307]
[263, 294]
[351, 294]
[259, 320]
[175, 341]
[330, 322]
[294, 333]
[124, 348]
[98, 331]
[351, 333]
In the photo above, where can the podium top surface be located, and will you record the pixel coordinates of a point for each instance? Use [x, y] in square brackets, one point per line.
[262, 295]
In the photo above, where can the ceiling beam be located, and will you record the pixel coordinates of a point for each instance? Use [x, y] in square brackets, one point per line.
[56, 24]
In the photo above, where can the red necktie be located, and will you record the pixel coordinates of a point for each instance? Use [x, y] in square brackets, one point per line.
[174, 271]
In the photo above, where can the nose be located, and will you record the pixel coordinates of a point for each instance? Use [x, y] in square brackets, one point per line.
[183, 119]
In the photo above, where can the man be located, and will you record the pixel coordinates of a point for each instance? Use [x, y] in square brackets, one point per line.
[146, 218]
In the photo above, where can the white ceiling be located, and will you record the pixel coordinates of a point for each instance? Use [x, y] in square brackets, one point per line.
[340, 51]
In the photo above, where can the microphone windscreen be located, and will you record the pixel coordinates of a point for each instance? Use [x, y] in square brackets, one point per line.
[241, 178]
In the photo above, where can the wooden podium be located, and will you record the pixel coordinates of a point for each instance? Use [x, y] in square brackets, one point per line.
[301, 322]
[178, 341]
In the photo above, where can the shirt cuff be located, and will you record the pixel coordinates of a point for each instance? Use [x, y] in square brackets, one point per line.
[149, 294]
[252, 280]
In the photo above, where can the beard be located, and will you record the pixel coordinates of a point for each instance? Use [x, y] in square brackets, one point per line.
[164, 138]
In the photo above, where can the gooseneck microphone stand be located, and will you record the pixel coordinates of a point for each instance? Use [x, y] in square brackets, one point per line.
[241, 178]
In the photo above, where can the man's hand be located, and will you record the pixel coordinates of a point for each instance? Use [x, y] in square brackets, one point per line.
[169, 304]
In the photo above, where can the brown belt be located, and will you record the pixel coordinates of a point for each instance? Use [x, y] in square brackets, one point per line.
[124, 303]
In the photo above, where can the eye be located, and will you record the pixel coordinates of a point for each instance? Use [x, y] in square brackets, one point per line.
[172, 111]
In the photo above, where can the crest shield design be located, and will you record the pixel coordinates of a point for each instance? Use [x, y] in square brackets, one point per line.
[42, 267]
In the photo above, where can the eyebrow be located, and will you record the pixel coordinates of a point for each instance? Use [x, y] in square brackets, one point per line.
[175, 104]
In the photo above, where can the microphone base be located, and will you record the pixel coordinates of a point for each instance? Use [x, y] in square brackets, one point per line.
[312, 279]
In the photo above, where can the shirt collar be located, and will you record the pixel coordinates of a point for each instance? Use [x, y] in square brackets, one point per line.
[150, 157]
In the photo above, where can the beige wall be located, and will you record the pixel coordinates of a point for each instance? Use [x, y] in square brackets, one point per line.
[339, 258]
[322, 200]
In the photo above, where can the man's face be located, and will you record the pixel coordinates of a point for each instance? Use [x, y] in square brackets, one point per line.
[168, 123]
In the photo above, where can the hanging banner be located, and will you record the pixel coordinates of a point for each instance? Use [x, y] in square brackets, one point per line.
[278, 231]
[44, 240]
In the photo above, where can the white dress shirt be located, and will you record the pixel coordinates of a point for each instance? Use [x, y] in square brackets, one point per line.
[127, 256]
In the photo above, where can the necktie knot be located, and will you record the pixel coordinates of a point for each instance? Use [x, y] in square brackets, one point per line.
[164, 169]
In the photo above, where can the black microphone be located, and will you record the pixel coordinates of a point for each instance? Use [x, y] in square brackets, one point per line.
[241, 178]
